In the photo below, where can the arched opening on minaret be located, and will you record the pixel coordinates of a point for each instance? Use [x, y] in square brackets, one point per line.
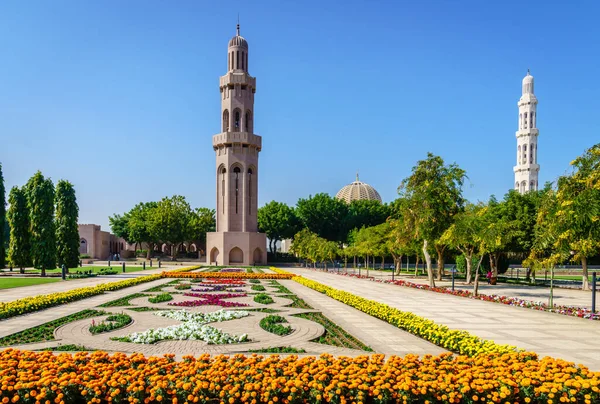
[248, 121]
[531, 154]
[516, 186]
[226, 121]
[531, 120]
[223, 172]
[214, 255]
[249, 191]
[524, 154]
[236, 174]
[520, 121]
[236, 256]
[525, 120]
[236, 120]
[518, 153]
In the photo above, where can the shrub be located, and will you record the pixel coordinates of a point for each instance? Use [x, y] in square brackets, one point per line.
[263, 298]
[163, 297]
[272, 324]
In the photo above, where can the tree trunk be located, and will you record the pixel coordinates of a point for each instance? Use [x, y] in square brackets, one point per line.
[494, 263]
[150, 247]
[468, 257]
[398, 265]
[476, 284]
[174, 249]
[417, 267]
[440, 262]
[585, 284]
[44, 271]
[382, 262]
[428, 261]
[22, 270]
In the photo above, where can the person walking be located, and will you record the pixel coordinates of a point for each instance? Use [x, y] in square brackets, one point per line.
[489, 277]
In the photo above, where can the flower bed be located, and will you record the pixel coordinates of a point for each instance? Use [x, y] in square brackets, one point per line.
[112, 322]
[193, 328]
[220, 296]
[216, 275]
[232, 270]
[163, 297]
[120, 378]
[230, 282]
[35, 303]
[209, 300]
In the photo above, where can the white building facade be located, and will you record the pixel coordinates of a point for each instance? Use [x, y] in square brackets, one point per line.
[527, 168]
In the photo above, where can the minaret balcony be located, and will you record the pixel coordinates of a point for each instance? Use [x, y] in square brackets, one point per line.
[237, 78]
[229, 138]
[526, 167]
[527, 132]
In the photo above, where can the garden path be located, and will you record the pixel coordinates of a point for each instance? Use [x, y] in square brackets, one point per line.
[562, 296]
[548, 334]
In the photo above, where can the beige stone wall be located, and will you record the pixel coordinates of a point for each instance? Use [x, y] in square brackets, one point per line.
[100, 244]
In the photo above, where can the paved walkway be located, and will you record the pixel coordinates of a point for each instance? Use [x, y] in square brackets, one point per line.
[562, 296]
[7, 295]
[548, 334]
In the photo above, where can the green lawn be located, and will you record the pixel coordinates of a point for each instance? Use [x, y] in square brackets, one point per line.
[12, 282]
[128, 268]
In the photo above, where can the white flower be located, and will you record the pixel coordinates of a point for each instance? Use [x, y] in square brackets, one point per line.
[193, 328]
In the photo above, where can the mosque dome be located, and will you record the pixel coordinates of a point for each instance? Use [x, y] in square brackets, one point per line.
[238, 40]
[358, 191]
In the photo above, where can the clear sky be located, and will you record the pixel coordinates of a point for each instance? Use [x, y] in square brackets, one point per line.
[122, 99]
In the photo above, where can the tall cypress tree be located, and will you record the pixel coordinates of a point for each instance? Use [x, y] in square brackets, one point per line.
[19, 250]
[67, 233]
[3, 236]
[40, 200]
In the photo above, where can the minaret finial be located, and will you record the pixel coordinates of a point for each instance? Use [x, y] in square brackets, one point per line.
[356, 175]
[528, 72]
[238, 25]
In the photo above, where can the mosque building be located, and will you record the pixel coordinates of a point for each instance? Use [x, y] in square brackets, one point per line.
[356, 191]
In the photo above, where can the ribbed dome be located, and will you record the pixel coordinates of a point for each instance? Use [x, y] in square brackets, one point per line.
[238, 40]
[358, 191]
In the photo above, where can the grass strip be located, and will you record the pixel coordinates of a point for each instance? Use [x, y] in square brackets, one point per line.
[278, 349]
[334, 334]
[258, 288]
[159, 288]
[142, 309]
[45, 332]
[123, 301]
[264, 310]
[263, 298]
[112, 322]
[68, 348]
[272, 324]
[163, 297]
[254, 281]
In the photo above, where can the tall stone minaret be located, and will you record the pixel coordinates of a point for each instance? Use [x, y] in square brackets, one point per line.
[527, 168]
[237, 240]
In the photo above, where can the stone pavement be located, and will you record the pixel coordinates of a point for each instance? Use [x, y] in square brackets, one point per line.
[548, 334]
[562, 296]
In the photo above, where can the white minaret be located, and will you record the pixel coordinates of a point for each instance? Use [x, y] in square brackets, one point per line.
[527, 168]
[237, 240]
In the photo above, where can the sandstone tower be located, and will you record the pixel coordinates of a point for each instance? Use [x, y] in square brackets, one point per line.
[527, 168]
[237, 240]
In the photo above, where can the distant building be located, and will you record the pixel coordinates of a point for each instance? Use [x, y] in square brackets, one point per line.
[99, 244]
[356, 191]
[527, 168]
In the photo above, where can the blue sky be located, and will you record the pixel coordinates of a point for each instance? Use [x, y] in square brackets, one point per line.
[121, 98]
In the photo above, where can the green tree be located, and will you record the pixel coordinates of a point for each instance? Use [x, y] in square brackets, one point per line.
[170, 222]
[433, 196]
[40, 201]
[367, 213]
[578, 215]
[67, 232]
[19, 250]
[325, 216]
[306, 245]
[119, 225]
[202, 221]
[3, 235]
[278, 221]
[464, 233]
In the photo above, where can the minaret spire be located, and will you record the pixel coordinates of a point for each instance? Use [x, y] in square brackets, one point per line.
[238, 26]
[356, 175]
[527, 168]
